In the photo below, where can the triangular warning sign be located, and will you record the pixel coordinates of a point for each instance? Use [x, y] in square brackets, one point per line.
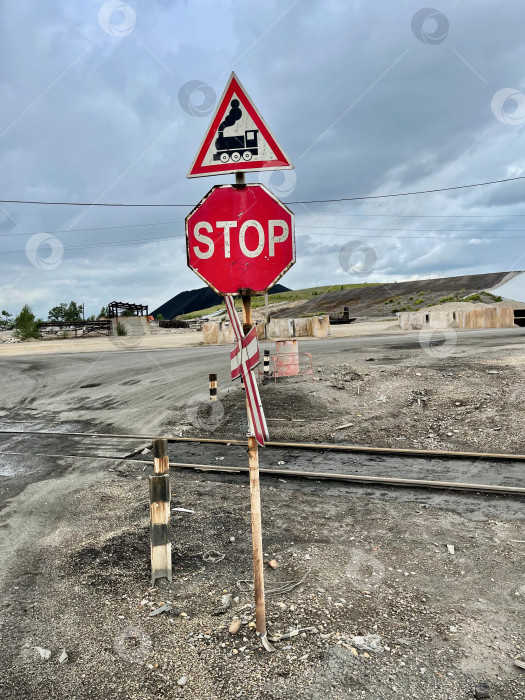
[238, 138]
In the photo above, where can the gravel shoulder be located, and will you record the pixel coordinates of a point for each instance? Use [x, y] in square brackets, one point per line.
[386, 593]
[353, 562]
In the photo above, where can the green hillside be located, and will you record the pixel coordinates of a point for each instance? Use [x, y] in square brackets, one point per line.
[293, 295]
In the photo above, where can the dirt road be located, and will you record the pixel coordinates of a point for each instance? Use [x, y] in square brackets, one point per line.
[366, 577]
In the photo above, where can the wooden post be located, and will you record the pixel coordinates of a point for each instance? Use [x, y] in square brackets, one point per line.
[213, 387]
[160, 501]
[255, 500]
[266, 365]
[161, 461]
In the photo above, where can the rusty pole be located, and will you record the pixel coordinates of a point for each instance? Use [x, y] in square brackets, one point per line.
[255, 500]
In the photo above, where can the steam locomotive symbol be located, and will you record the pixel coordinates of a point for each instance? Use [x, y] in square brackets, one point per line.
[235, 147]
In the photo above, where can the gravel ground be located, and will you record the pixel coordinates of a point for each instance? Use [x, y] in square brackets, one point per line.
[385, 593]
[352, 563]
[399, 397]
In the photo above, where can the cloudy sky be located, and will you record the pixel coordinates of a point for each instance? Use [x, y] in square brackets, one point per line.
[108, 102]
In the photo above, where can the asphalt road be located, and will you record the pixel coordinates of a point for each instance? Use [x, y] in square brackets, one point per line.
[134, 391]
[134, 387]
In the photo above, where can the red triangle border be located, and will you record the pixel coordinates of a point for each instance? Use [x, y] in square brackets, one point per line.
[281, 162]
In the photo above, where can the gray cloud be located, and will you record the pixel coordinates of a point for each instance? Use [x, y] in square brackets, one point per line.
[358, 102]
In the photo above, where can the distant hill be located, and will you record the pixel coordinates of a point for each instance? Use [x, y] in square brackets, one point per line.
[197, 299]
[383, 300]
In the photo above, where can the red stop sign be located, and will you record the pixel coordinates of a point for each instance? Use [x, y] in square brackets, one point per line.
[240, 238]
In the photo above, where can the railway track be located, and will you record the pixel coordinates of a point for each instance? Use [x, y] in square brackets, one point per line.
[502, 474]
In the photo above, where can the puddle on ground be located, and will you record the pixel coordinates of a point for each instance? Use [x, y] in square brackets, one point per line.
[9, 470]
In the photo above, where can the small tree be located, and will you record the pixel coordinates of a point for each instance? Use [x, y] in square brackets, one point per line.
[66, 312]
[127, 312]
[103, 312]
[25, 324]
[159, 317]
[5, 316]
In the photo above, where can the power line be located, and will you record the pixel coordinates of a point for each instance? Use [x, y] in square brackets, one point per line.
[308, 201]
[98, 228]
[342, 235]
[309, 226]
[408, 194]
[395, 216]
[435, 230]
[97, 245]
[423, 216]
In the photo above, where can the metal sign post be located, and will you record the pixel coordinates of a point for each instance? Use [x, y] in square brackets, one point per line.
[240, 240]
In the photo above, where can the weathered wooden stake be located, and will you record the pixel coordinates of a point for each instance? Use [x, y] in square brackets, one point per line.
[161, 460]
[160, 501]
[213, 387]
[266, 364]
[255, 499]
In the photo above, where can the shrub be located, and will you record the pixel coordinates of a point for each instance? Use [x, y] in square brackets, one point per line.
[159, 317]
[419, 301]
[25, 324]
[121, 329]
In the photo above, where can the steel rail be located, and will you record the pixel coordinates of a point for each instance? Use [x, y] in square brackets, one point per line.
[318, 476]
[359, 478]
[290, 445]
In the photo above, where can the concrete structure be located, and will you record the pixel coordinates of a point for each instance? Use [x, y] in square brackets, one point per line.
[486, 317]
[135, 325]
[279, 328]
[220, 333]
